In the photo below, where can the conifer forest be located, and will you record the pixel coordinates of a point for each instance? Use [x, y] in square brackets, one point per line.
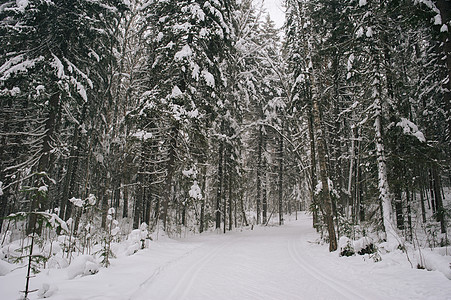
[183, 117]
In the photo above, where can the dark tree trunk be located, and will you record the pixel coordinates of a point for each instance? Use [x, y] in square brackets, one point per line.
[399, 212]
[169, 188]
[444, 7]
[409, 214]
[423, 208]
[440, 211]
[326, 201]
[243, 212]
[264, 178]
[104, 206]
[280, 179]
[313, 171]
[219, 183]
[139, 195]
[259, 171]
[202, 208]
[431, 190]
[125, 208]
[148, 204]
[230, 203]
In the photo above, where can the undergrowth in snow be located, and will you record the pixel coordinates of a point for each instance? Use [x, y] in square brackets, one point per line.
[70, 259]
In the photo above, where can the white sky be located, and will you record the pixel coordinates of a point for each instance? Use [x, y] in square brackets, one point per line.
[275, 9]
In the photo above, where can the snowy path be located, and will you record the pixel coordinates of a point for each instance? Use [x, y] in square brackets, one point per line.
[266, 263]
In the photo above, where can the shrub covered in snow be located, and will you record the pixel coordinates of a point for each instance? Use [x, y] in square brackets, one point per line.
[81, 266]
[345, 247]
[361, 246]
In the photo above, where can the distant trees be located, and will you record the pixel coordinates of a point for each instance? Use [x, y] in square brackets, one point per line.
[369, 66]
[48, 78]
[188, 115]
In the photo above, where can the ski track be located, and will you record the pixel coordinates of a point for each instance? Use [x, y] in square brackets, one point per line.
[269, 263]
[186, 281]
[185, 271]
[161, 269]
[303, 263]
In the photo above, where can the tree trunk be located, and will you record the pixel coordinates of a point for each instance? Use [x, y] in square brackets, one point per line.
[125, 208]
[264, 179]
[219, 182]
[423, 208]
[409, 214]
[399, 212]
[169, 187]
[313, 171]
[202, 207]
[431, 190]
[104, 206]
[384, 191]
[444, 7]
[230, 203]
[259, 171]
[243, 212]
[440, 211]
[326, 201]
[280, 181]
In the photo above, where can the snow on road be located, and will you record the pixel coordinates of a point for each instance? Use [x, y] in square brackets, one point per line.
[265, 263]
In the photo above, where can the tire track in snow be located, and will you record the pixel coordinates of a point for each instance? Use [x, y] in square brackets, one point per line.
[340, 288]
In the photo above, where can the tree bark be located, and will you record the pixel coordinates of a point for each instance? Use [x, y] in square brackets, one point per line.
[326, 201]
[313, 171]
[444, 7]
[219, 183]
[169, 187]
[280, 180]
[440, 211]
[384, 191]
[259, 171]
[264, 178]
[230, 203]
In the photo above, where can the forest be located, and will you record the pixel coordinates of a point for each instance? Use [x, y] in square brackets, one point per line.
[199, 115]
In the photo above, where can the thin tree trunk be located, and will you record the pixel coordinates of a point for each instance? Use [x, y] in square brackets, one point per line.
[280, 182]
[440, 211]
[431, 190]
[409, 214]
[423, 208]
[313, 171]
[219, 185]
[202, 207]
[230, 203]
[125, 208]
[104, 205]
[399, 212]
[259, 171]
[169, 186]
[264, 181]
[243, 212]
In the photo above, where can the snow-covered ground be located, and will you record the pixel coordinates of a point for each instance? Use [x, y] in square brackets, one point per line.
[264, 263]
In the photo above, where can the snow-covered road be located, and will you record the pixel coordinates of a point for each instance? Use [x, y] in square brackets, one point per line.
[265, 263]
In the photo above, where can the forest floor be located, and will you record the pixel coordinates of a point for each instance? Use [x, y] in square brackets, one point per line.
[272, 262]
